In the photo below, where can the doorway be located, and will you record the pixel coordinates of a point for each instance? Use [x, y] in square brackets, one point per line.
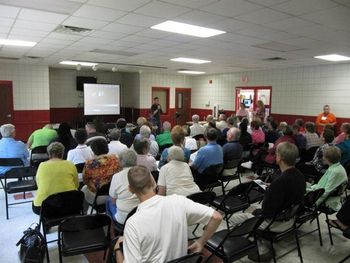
[6, 105]
[182, 105]
[250, 95]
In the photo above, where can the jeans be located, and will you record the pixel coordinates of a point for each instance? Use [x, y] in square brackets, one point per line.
[111, 208]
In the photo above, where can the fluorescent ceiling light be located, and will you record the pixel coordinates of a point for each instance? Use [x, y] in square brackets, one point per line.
[19, 43]
[192, 72]
[187, 29]
[333, 57]
[74, 63]
[190, 60]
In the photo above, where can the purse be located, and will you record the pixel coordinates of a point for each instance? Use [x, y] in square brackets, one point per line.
[33, 246]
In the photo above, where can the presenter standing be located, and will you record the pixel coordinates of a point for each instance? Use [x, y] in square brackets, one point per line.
[325, 118]
[156, 110]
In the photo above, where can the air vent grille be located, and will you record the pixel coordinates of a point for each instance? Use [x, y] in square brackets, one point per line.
[73, 30]
[274, 59]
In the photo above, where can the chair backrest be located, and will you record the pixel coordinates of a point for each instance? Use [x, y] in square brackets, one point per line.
[202, 197]
[339, 190]
[213, 170]
[38, 154]
[21, 172]
[288, 213]
[84, 222]
[242, 189]
[311, 198]
[246, 227]
[11, 162]
[103, 190]
[63, 204]
[231, 164]
[155, 175]
[309, 154]
[192, 258]
[40, 149]
[80, 167]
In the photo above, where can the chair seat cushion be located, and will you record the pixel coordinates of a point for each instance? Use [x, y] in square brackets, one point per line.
[231, 204]
[255, 196]
[21, 186]
[82, 241]
[55, 221]
[233, 248]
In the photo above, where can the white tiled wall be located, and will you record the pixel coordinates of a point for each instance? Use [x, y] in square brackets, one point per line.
[149, 80]
[30, 84]
[296, 91]
[63, 92]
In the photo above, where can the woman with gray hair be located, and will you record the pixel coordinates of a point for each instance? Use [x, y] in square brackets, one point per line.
[120, 196]
[115, 146]
[54, 176]
[175, 177]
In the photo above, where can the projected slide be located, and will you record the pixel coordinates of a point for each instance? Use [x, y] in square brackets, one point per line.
[101, 99]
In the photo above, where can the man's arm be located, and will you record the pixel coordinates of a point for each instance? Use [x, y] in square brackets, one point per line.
[210, 229]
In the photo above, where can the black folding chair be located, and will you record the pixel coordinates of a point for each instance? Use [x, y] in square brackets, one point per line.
[231, 245]
[191, 258]
[236, 200]
[101, 191]
[58, 207]
[83, 234]
[209, 178]
[38, 155]
[119, 228]
[225, 177]
[80, 167]
[25, 183]
[204, 198]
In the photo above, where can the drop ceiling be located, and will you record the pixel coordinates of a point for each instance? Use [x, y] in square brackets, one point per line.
[296, 30]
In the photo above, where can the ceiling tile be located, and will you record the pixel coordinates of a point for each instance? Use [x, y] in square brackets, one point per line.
[262, 16]
[153, 33]
[299, 7]
[27, 32]
[56, 35]
[231, 25]
[4, 31]
[25, 35]
[127, 29]
[107, 35]
[34, 25]
[138, 39]
[199, 18]
[268, 2]
[163, 10]
[84, 22]
[290, 24]
[191, 3]
[41, 16]
[99, 13]
[125, 5]
[8, 11]
[139, 20]
[231, 8]
[6, 22]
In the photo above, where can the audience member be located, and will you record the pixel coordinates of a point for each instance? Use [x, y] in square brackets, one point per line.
[82, 152]
[210, 154]
[196, 128]
[345, 150]
[232, 149]
[286, 190]
[145, 133]
[221, 124]
[99, 171]
[300, 123]
[164, 237]
[333, 177]
[281, 127]
[125, 136]
[242, 113]
[115, 146]
[272, 133]
[208, 119]
[121, 200]
[300, 140]
[324, 118]
[312, 138]
[260, 111]
[344, 131]
[140, 121]
[231, 123]
[258, 136]
[164, 138]
[142, 147]
[54, 176]
[175, 177]
[10, 148]
[65, 137]
[92, 133]
[190, 143]
[42, 137]
[245, 139]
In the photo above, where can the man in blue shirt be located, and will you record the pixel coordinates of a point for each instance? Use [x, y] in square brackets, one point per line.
[10, 148]
[210, 154]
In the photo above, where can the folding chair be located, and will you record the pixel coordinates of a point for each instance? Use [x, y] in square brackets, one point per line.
[101, 191]
[225, 177]
[38, 155]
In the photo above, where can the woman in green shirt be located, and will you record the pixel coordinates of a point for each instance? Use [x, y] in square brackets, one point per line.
[333, 177]
[54, 176]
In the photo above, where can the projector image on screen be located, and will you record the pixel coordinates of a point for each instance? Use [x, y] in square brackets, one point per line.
[101, 99]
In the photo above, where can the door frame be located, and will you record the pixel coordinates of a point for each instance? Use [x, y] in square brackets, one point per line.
[186, 90]
[9, 83]
[255, 88]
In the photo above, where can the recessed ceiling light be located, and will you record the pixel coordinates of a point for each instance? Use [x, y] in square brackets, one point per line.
[187, 29]
[74, 63]
[190, 60]
[333, 57]
[192, 72]
[19, 43]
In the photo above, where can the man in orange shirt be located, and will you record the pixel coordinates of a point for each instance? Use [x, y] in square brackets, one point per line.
[325, 118]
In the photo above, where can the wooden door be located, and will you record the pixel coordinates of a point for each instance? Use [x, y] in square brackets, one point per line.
[6, 105]
[182, 105]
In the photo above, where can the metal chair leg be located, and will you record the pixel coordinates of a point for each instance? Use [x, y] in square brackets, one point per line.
[298, 245]
[7, 205]
[329, 231]
[343, 260]
[319, 231]
[47, 249]
[273, 251]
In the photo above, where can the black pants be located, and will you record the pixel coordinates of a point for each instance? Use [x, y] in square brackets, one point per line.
[344, 213]
[36, 209]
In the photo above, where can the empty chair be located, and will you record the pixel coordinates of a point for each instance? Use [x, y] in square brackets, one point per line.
[83, 234]
[231, 171]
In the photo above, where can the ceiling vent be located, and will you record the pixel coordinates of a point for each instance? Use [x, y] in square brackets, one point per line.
[10, 58]
[274, 59]
[72, 30]
[33, 57]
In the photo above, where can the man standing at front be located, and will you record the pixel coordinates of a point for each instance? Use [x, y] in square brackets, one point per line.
[157, 232]
[156, 110]
[325, 118]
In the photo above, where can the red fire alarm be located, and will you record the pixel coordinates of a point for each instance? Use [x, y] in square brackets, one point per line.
[210, 81]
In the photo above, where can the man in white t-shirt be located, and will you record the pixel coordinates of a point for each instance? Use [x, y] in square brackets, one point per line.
[122, 200]
[196, 128]
[115, 146]
[82, 152]
[157, 232]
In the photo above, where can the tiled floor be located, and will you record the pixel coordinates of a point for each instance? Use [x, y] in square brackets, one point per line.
[21, 217]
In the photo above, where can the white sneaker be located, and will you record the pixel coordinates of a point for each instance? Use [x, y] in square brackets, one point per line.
[247, 165]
